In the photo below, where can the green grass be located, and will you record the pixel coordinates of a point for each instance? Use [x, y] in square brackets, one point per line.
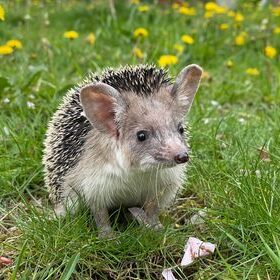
[227, 176]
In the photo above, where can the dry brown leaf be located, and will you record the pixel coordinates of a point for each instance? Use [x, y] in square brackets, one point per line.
[264, 154]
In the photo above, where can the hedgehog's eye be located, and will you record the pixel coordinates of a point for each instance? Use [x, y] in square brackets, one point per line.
[180, 128]
[142, 135]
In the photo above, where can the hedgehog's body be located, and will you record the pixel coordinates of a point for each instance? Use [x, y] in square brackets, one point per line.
[92, 150]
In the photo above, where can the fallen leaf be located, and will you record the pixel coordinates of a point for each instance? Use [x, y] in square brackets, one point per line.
[264, 154]
[199, 218]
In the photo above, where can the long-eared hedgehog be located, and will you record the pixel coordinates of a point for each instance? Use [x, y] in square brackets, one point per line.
[119, 139]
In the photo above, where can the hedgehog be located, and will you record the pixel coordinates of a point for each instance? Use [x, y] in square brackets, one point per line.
[119, 139]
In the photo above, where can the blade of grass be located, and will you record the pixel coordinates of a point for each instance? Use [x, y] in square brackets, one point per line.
[18, 261]
[70, 267]
[270, 252]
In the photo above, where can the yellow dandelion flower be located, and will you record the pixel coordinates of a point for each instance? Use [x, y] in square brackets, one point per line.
[229, 63]
[2, 13]
[240, 40]
[91, 38]
[166, 60]
[209, 14]
[224, 26]
[179, 48]
[4, 50]
[276, 30]
[270, 51]
[210, 6]
[71, 35]
[276, 11]
[205, 75]
[238, 17]
[143, 8]
[187, 11]
[214, 8]
[252, 71]
[14, 44]
[187, 39]
[138, 52]
[140, 32]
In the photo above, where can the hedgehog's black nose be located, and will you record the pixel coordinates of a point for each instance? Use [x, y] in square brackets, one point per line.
[181, 157]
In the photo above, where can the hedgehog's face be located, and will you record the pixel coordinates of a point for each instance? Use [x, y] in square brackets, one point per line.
[152, 132]
[148, 129]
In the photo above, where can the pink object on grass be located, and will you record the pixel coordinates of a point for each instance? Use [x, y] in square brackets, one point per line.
[5, 261]
[196, 248]
[168, 275]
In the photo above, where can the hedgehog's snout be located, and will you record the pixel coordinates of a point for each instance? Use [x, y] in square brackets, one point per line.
[181, 157]
[172, 152]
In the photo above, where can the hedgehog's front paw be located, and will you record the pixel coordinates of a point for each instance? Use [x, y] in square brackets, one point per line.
[106, 233]
[155, 225]
[59, 210]
[158, 226]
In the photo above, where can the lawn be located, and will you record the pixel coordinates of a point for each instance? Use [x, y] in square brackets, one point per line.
[233, 175]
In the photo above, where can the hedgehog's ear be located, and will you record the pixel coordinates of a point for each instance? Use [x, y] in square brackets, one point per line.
[185, 87]
[99, 102]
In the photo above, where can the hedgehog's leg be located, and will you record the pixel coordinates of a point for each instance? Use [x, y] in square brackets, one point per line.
[59, 210]
[152, 211]
[147, 217]
[102, 220]
[67, 204]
